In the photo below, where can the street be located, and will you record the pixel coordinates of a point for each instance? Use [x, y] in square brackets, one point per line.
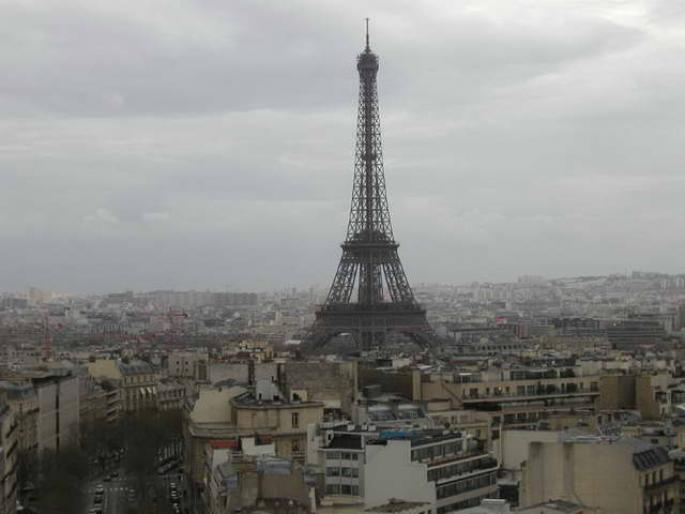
[118, 495]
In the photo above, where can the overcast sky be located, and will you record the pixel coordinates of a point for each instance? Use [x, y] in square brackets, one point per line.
[209, 144]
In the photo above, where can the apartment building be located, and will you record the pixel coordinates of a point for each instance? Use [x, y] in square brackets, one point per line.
[170, 395]
[136, 379]
[443, 471]
[58, 411]
[192, 365]
[9, 448]
[57, 397]
[515, 397]
[265, 483]
[23, 402]
[239, 417]
[284, 421]
[613, 476]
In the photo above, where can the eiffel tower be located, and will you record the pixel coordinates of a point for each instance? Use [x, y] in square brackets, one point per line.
[370, 297]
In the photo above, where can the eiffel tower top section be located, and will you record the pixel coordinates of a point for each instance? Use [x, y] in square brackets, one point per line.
[369, 213]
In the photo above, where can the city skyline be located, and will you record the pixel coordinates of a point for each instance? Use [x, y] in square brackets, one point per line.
[146, 149]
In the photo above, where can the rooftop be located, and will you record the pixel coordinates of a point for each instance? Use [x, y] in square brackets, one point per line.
[135, 367]
[395, 505]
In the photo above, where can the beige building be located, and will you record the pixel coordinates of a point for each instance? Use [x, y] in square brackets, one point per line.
[334, 384]
[514, 399]
[23, 402]
[236, 417]
[137, 381]
[646, 393]
[58, 411]
[206, 418]
[57, 397]
[100, 402]
[285, 422]
[258, 483]
[193, 365]
[170, 395]
[8, 460]
[622, 476]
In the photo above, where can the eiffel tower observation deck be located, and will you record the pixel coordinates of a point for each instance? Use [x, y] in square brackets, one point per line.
[370, 297]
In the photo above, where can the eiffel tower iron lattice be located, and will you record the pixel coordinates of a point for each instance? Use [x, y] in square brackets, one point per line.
[370, 296]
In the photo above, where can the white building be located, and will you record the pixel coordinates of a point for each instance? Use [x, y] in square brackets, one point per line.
[443, 471]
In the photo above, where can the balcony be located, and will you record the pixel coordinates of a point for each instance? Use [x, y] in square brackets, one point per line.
[460, 470]
[538, 394]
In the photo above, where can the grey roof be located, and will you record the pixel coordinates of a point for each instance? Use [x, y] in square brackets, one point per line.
[345, 442]
[135, 367]
[395, 505]
[558, 505]
[650, 457]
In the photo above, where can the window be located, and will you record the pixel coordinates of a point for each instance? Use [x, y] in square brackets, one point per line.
[333, 455]
[345, 489]
[332, 489]
[295, 419]
[332, 472]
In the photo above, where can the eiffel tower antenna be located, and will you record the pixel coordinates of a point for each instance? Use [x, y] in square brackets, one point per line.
[370, 295]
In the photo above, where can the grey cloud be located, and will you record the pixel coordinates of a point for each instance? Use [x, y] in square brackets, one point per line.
[199, 144]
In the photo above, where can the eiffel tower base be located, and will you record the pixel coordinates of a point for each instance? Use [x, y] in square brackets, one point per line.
[369, 327]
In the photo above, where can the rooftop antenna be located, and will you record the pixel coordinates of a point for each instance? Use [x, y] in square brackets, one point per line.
[368, 48]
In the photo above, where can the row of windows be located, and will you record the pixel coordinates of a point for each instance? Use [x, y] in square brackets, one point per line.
[530, 390]
[470, 484]
[171, 393]
[343, 456]
[349, 490]
[437, 451]
[342, 472]
[651, 478]
[460, 468]
[138, 378]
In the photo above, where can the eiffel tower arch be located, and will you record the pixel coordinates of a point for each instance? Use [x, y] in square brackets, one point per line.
[370, 296]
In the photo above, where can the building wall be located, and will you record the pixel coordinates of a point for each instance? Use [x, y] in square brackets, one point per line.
[186, 364]
[333, 383]
[459, 392]
[599, 475]
[220, 371]
[616, 392]
[390, 473]
[139, 391]
[25, 410]
[277, 418]
[104, 368]
[58, 413]
[403, 382]
[286, 423]
[513, 446]
[10, 449]
[645, 399]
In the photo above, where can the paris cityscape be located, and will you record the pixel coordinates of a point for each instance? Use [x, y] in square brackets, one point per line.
[174, 343]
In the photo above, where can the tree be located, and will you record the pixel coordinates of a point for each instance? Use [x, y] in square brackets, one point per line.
[61, 478]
